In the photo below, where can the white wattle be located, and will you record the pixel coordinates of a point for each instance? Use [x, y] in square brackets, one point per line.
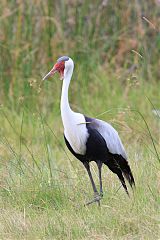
[75, 133]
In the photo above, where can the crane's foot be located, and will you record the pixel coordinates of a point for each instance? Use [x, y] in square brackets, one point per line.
[96, 198]
[101, 194]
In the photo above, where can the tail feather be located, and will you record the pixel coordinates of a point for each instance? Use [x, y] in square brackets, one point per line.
[118, 165]
[126, 170]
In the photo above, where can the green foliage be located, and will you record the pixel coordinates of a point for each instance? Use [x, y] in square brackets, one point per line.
[43, 187]
[33, 34]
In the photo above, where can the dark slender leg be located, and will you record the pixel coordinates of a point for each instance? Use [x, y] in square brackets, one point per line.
[96, 195]
[86, 164]
[99, 164]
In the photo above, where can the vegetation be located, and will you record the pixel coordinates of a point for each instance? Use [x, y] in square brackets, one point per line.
[115, 46]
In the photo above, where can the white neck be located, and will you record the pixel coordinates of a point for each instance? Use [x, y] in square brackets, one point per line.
[75, 134]
[65, 107]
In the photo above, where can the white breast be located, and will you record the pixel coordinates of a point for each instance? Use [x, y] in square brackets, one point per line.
[76, 132]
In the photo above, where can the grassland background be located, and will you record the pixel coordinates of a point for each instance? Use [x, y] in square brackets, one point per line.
[43, 187]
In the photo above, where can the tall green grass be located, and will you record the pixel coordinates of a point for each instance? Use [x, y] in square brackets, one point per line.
[33, 34]
[43, 187]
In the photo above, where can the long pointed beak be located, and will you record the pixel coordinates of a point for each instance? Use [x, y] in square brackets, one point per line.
[51, 73]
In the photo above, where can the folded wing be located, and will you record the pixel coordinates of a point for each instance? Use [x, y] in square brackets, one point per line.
[109, 134]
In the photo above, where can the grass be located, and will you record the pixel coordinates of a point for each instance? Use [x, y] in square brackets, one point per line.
[34, 206]
[43, 187]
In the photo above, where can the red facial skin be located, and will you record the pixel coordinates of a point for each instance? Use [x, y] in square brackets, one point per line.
[59, 67]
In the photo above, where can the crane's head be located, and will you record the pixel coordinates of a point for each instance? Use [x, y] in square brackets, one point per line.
[63, 65]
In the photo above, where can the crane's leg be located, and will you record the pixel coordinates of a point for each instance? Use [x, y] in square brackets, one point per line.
[99, 164]
[97, 198]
